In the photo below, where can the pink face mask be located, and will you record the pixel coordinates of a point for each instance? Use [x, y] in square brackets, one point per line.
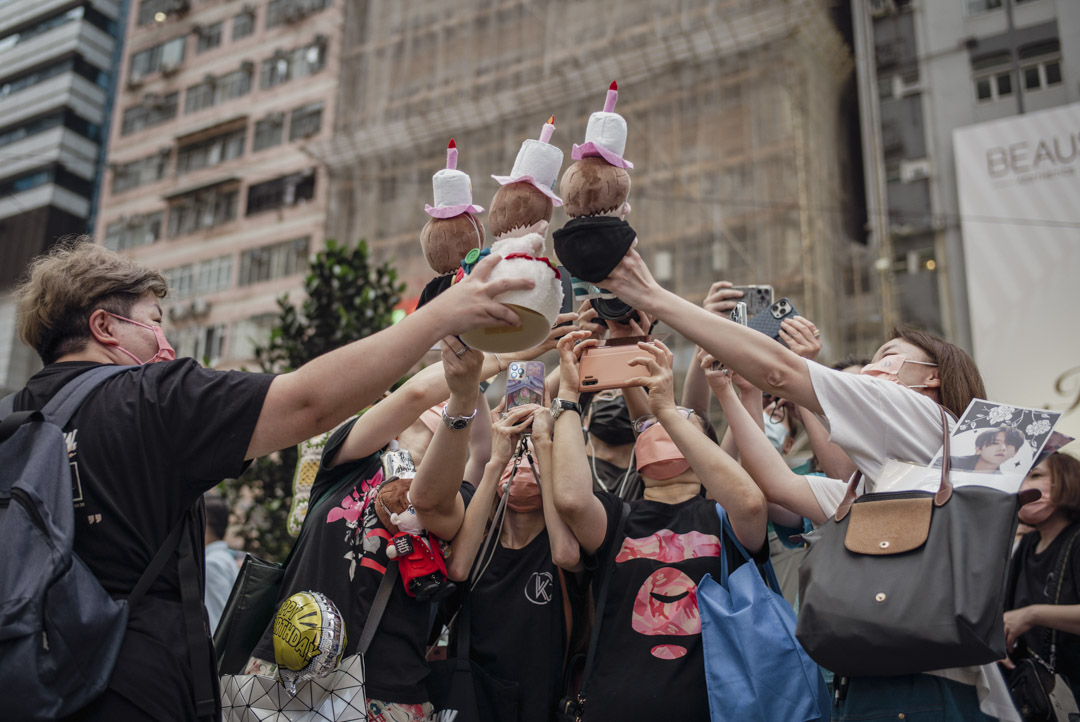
[888, 369]
[524, 491]
[657, 455]
[165, 352]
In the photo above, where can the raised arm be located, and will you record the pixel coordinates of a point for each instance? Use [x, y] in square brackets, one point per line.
[435, 492]
[767, 468]
[386, 419]
[479, 443]
[565, 549]
[723, 478]
[763, 361]
[696, 395]
[803, 338]
[572, 480]
[329, 389]
[505, 435]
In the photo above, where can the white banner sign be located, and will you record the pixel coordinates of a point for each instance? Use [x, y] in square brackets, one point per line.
[1019, 187]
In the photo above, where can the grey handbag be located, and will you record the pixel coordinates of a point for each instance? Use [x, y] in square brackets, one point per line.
[907, 582]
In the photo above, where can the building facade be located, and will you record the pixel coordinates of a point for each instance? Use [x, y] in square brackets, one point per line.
[740, 114]
[926, 69]
[56, 60]
[207, 176]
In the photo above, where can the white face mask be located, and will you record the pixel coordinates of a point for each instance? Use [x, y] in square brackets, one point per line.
[776, 432]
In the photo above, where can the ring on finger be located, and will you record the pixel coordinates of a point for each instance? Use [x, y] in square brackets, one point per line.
[461, 351]
[817, 334]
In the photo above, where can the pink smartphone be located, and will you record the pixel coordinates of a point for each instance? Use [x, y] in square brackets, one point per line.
[608, 367]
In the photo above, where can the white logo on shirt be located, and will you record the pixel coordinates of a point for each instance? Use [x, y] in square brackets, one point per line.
[539, 588]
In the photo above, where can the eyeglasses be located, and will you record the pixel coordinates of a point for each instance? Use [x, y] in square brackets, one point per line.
[642, 423]
[607, 395]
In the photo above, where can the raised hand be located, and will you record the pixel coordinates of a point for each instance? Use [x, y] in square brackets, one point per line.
[634, 328]
[506, 432]
[801, 336]
[721, 298]
[632, 281]
[657, 361]
[461, 367]
[471, 303]
[571, 346]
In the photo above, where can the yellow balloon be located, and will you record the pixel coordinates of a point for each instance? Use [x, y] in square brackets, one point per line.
[309, 638]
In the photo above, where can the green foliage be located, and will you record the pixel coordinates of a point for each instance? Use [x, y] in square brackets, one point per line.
[347, 298]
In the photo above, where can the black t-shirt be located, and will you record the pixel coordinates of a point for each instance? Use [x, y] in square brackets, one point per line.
[334, 559]
[144, 447]
[609, 477]
[649, 662]
[1035, 576]
[518, 624]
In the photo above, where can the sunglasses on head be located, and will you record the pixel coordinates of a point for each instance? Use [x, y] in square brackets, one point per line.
[642, 423]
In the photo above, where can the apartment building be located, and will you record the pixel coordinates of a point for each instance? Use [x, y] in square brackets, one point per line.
[926, 69]
[56, 59]
[207, 176]
[742, 130]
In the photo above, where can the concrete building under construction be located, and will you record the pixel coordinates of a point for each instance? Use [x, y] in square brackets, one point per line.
[741, 127]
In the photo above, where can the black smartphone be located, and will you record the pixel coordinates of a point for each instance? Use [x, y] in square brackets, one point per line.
[768, 322]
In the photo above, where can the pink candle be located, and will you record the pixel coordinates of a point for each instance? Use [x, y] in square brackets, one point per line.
[451, 155]
[548, 129]
[612, 97]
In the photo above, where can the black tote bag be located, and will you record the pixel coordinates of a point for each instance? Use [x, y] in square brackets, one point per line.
[247, 614]
[907, 582]
[460, 685]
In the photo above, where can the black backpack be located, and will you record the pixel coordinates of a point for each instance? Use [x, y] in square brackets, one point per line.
[60, 631]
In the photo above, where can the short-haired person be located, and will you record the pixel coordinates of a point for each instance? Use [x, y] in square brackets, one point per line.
[221, 568]
[993, 448]
[890, 410]
[1034, 611]
[147, 443]
[650, 662]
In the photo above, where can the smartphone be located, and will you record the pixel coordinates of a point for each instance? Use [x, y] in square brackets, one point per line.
[738, 315]
[756, 298]
[524, 383]
[768, 322]
[608, 367]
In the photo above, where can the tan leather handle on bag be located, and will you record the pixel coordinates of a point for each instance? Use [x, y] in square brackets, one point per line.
[945, 487]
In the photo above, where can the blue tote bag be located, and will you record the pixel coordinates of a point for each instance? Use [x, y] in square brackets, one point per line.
[755, 669]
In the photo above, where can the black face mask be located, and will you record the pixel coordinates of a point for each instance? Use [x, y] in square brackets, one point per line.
[591, 247]
[610, 422]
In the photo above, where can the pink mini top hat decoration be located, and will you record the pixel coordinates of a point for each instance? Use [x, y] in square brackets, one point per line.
[537, 163]
[453, 189]
[605, 135]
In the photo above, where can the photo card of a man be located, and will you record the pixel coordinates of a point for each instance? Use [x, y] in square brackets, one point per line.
[997, 439]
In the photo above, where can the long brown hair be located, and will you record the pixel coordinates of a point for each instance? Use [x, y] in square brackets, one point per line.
[960, 378]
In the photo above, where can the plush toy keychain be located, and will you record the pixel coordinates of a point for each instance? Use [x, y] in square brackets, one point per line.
[419, 555]
[453, 229]
[520, 212]
[597, 188]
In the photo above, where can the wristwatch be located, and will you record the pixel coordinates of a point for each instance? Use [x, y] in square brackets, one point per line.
[560, 405]
[457, 423]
